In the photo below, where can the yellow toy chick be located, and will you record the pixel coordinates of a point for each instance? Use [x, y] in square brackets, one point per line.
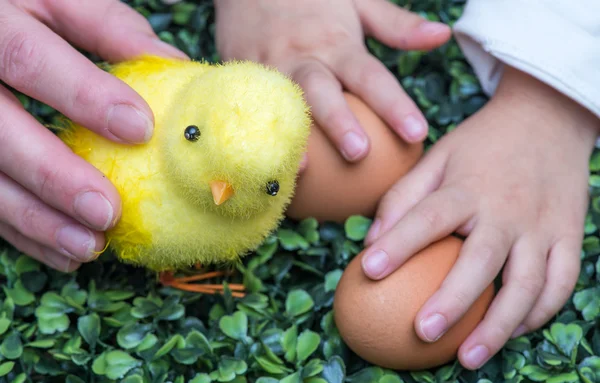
[220, 169]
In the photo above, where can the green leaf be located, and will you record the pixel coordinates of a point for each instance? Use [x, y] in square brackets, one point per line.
[288, 342]
[20, 295]
[271, 367]
[25, 264]
[332, 278]
[175, 340]
[535, 373]
[42, 343]
[4, 323]
[334, 371]
[298, 302]
[567, 338]
[235, 326]
[588, 302]
[133, 379]
[89, 328]
[114, 364]
[147, 343]
[6, 368]
[20, 378]
[290, 240]
[132, 335]
[12, 346]
[201, 378]
[356, 227]
[308, 342]
[75, 379]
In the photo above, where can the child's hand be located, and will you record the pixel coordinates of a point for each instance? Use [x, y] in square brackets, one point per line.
[513, 179]
[54, 205]
[320, 44]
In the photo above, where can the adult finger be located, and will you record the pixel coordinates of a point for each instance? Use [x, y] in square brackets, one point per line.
[525, 278]
[563, 269]
[368, 78]
[36, 159]
[411, 189]
[484, 250]
[99, 27]
[330, 110]
[37, 62]
[36, 220]
[400, 28]
[435, 217]
[35, 250]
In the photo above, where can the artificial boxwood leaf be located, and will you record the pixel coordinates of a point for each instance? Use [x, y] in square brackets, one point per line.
[566, 338]
[290, 240]
[298, 302]
[235, 326]
[89, 327]
[12, 346]
[289, 341]
[308, 342]
[6, 368]
[201, 378]
[20, 295]
[132, 335]
[114, 364]
[356, 227]
[334, 370]
[332, 278]
[588, 302]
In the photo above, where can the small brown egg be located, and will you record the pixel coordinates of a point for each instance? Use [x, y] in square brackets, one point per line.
[376, 319]
[333, 189]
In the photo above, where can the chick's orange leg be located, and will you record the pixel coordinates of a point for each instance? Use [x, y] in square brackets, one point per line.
[182, 283]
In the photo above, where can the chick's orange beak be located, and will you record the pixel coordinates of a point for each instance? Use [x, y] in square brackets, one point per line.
[221, 191]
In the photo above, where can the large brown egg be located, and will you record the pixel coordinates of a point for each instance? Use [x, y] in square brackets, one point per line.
[332, 189]
[376, 319]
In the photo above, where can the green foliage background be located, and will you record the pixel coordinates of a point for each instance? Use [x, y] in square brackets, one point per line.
[112, 323]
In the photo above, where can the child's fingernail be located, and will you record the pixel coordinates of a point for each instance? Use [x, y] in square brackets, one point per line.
[76, 242]
[433, 327]
[373, 232]
[375, 263]
[166, 49]
[353, 145]
[519, 331]
[433, 27]
[477, 356]
[414, 128]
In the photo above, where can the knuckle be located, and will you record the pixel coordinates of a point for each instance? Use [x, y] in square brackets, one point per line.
[28, 218]
[20, 63]
[46, 180]
[530, 284]
[84, 97]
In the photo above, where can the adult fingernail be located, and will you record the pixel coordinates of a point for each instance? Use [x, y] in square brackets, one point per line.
[433, 327]
[433, 27]
[414, 128]
[94, 209]
[519, 331]
[353, 145]
[166, 49]
[76, 242]
[477, 356]
[375, 263]
[129, 124]
[373, 232]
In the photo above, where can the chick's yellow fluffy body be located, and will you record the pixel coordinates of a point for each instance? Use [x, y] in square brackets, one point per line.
[254, 126]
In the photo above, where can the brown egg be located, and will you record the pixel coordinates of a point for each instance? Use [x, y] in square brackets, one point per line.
[376, 319]
[332, 189]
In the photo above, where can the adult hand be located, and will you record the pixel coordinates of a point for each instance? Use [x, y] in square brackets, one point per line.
[54, 206]
[320, 44]
[513, 179]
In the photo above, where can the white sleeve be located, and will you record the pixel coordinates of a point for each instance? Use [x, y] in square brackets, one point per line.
[556, 41]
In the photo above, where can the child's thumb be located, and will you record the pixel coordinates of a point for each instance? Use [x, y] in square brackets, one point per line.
[399, 28]
[108, 28]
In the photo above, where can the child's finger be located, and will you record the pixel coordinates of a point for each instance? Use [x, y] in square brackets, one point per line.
[413, 187]
[563, 269]
[484, 250]
[330, 110]
[99, 26]
[525, 278]
[399, 28]
[368, 78]
[43, 254]
[436, 217]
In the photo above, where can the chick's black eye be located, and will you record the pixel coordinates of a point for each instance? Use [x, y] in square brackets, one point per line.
[192, 133]
[272, 188]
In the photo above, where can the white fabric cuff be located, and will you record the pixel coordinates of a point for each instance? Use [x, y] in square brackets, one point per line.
[556, 41]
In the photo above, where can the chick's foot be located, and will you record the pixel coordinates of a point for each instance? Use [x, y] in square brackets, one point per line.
[167, 278]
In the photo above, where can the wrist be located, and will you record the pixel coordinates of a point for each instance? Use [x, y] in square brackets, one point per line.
[546, 107]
